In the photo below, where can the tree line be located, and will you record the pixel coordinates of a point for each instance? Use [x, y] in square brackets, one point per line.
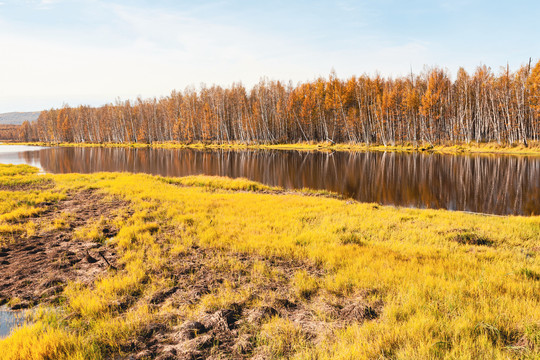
[9, 132]
[428, 108]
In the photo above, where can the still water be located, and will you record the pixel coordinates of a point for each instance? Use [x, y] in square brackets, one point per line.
[479, 183]
[9, 320]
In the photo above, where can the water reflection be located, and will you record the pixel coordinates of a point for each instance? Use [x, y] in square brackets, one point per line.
[9, 320]
[488, 184]
[11, 154]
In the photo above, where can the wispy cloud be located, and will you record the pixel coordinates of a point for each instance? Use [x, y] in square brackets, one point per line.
[92, 51]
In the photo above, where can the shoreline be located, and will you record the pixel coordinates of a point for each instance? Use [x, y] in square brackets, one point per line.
[458, 149]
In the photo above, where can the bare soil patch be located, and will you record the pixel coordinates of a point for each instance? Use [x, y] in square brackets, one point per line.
[201, 323]
[232, 331]
[36, 269]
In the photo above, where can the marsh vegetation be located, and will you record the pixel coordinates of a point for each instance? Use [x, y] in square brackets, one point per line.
[203, 266]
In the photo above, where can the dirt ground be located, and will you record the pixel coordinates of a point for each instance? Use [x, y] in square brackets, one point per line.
[36, 269]
[233, 331]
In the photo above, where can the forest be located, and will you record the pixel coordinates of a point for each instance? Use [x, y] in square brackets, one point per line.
[425, 108]
[9, 132]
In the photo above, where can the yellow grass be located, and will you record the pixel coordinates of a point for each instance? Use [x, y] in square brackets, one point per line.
[476, 148]
[453, 285]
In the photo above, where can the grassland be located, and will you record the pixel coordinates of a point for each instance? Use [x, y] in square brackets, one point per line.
[472, 148]
[206, 266]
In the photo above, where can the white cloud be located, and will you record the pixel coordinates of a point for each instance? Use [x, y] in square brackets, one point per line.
[149, 52]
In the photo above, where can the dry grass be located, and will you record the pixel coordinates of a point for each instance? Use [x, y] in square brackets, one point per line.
[478, 148]
[432, 284]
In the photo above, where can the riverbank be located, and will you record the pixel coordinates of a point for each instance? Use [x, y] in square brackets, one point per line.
[471, 148]
[131, 264]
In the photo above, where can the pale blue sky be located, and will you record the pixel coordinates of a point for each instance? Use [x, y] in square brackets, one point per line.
[91, 51]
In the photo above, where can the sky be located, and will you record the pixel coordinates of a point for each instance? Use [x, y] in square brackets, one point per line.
[92, 52]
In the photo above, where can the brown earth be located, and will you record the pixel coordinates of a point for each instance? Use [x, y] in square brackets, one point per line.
[232, 331]
[36, 269]
[195, 326]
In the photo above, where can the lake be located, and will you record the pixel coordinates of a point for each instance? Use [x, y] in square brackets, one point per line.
[493, 184]
[10, 320]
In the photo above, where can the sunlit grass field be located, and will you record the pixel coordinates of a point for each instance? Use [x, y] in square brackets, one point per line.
[446, 285]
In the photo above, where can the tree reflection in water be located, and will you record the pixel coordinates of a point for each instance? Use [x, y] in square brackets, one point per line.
[478, 183]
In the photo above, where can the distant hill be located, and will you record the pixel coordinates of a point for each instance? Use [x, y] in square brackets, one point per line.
[17, 118]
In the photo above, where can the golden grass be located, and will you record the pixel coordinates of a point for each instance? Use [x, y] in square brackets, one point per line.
[10, 170]
[17, 205]
[446, 295]
[281, 337]
[533, 148]
[39, 341]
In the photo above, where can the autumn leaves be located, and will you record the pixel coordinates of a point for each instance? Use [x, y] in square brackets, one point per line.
[429, 108]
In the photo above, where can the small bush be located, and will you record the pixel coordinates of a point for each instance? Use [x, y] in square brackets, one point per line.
[351, 238]
[469, 238]
[529, 274]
